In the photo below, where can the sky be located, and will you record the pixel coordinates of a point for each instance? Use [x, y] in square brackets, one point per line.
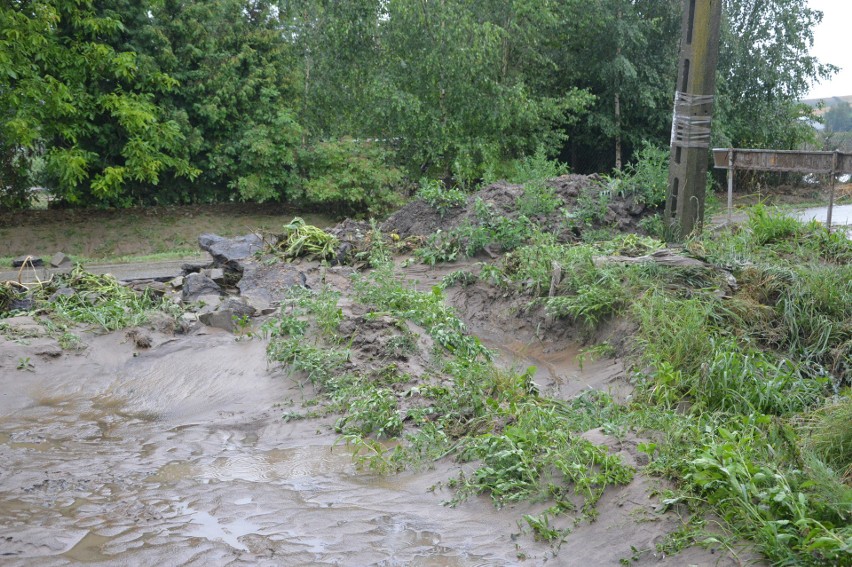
[832, 45]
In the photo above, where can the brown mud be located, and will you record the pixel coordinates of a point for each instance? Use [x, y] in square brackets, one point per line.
[116, 233]
[177, 454]
[148, 447]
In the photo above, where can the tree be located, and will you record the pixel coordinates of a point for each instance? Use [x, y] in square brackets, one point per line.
[839, 117]
[765, 69]
[625, 53]
[68, 93]
[238, 98]
[454, 102]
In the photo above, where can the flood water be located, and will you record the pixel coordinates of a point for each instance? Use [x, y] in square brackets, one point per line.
[179, 456]
[841, 215]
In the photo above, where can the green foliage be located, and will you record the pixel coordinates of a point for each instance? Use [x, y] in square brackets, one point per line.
[591, 208]
[302, 239]
[349, 176]
[382, 291]
[767, 228]
[768, 504]
[828, 435]
[838, 118]
[69, 88]
[538, 200]
[591, 303]
[319, 364]
[537, 454]
[236, 104]
[646, 178]
[758, 97]
[101, 302]
[537, 167]
[440, 198]
[472, 237]
[373, 411]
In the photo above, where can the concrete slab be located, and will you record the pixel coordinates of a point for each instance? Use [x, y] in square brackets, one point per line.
[159, 270]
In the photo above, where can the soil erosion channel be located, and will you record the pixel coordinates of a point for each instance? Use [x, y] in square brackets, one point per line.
[177, 455]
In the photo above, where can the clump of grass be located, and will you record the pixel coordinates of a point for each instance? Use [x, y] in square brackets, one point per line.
[382, 290]
[102, 302]
[472, 237]
[828, 435]
[591, 303]
[538, 199]
[768, 228]
[440, 198]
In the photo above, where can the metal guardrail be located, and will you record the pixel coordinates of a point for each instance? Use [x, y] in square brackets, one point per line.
[821, 163]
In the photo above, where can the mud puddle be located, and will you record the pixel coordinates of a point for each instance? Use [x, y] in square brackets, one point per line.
[179, 456]
[562, 370]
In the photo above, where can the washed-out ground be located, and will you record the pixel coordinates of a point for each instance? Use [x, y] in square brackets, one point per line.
[173, 450]
[177, 454]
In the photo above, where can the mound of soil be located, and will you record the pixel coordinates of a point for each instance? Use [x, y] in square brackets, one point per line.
[623, 213]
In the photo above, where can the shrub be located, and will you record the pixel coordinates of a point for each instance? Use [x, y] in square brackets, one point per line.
[647, 178]
[350, 176]
[439, 197]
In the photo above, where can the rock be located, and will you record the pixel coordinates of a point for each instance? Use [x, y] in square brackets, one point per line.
[238, 306]
[227, 316]
[194, 267]
[177, 282]
[31, 261]
[207, 303]
[61, 292]
[230, 252]
[196, 285]
[24, 304]
[140, 338]
[60, 260]
[263, 285]
[150, 286]
[216, 274]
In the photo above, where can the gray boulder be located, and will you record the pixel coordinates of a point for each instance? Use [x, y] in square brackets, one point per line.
[227, 317]
[197, 285]
[263, 285]
[60, 260]
[230, 252]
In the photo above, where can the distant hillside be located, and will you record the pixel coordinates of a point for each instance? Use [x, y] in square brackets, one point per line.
[828, 101]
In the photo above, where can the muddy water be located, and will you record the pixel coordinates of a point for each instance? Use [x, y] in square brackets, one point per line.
[562, 371]
[841, 215]
[179, 456]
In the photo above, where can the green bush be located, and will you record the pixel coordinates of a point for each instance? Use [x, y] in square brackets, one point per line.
[647, 178]
[766, 228]
[538, 199]
[537, 167]
[439, 197]
[349, 176]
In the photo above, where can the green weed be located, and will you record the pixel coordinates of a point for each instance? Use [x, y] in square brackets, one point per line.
[102, 302]
[441, 198]
[538, 200]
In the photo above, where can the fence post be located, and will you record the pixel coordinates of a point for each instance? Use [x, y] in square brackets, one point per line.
[831, 192]
[730, 185]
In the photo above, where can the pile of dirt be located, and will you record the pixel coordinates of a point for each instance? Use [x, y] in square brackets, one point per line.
[620, 212]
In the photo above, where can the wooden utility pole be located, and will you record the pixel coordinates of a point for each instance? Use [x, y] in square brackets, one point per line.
[693, 113]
